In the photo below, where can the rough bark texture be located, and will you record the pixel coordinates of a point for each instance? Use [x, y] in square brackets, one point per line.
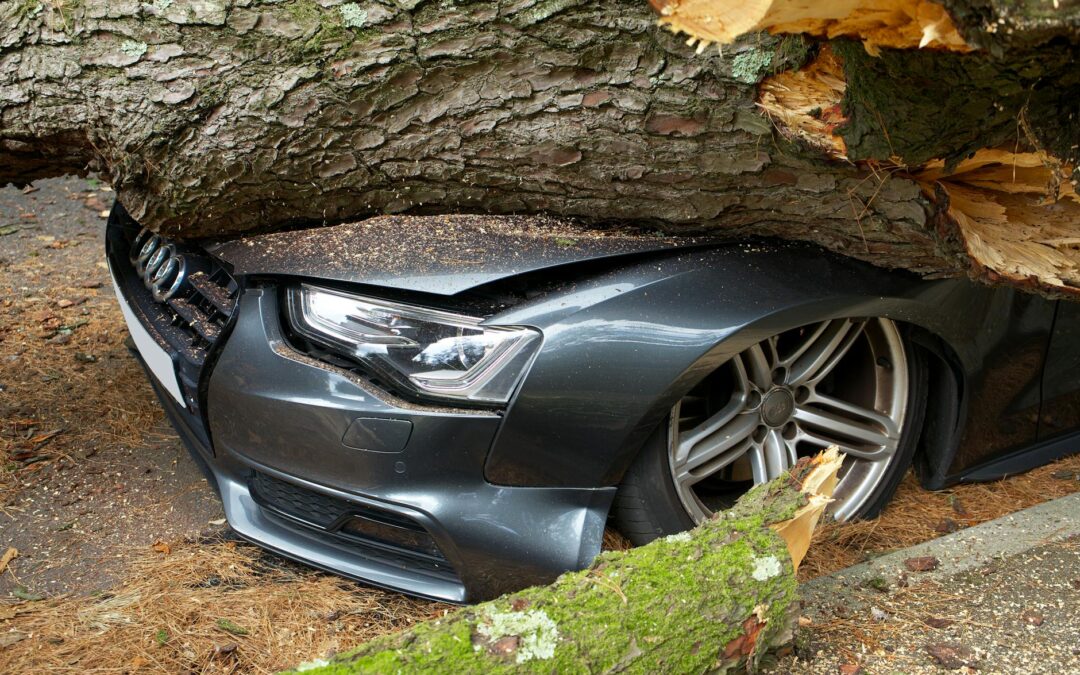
[219, 116]
[713, 600]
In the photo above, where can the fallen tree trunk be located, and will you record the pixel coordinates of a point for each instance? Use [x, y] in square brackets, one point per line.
[214, 117]
[715, 599]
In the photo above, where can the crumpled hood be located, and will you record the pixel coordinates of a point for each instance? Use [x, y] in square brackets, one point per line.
[443, 255]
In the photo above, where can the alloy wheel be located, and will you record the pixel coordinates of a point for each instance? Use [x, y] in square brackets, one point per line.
[840, 382]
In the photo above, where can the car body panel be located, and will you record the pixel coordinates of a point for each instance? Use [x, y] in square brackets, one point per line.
[441, 256]
[273, 409]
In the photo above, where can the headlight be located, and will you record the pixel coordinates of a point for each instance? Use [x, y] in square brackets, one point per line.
[427, 351]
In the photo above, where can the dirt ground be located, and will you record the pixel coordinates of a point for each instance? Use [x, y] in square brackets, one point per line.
[124, 563]
[92, 471]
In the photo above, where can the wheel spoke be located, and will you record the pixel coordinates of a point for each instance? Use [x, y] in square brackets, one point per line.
[779, 456]
[758, 366]
[698, 457]
[716, 422]
[860, 432]
[820, 353]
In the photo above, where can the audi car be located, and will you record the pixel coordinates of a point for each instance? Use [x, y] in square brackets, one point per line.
[457, 407]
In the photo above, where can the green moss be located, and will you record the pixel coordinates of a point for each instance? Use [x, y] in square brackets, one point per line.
[231, 627]
[304, 12]
[29, 8]
[792, 52]
[618, 614]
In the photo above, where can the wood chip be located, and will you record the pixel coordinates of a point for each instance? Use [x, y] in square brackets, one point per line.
[8, 556]
[926, 563]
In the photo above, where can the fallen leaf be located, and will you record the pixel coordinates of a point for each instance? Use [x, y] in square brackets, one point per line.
[219, 521]
[926, 563]
[104, 213]
[8, 556]
[851, 669]
[7, 612]
[30, 188]
[519, 604]
[94, 203]
[505, 646]
[225, 650]
[937, 622]
[10, 638]
[8, 229]
[946, 526]
[1032, 618]
[162, 547]
[90, 283]
[952, 656]
[41, 439]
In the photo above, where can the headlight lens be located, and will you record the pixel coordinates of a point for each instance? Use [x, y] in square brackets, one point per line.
[428, 351]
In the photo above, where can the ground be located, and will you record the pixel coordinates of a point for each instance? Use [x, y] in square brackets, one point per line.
[123, 561]
[1000, 597]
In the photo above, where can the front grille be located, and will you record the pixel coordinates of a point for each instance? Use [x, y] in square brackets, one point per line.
[183, 297]
[369, 531]
[197, 295]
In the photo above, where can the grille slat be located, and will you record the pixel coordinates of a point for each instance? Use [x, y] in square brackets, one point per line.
[214, 292]
[196, 319]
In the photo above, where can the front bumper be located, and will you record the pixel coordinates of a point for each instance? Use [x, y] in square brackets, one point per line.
[277, 412]
[276, 432]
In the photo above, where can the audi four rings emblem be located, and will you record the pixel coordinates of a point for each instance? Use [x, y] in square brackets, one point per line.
[157, 262]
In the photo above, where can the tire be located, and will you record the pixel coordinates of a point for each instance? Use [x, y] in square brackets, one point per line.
[649, 504]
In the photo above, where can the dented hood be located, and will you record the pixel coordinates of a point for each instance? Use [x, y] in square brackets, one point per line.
[443, 255]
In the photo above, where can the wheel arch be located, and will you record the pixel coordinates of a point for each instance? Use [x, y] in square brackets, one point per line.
[920, 325]
[609, 386]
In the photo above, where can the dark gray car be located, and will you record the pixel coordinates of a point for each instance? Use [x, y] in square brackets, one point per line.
[457, 409]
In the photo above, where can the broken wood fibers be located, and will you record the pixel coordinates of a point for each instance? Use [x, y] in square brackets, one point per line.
[1016, 213]
[897, 24]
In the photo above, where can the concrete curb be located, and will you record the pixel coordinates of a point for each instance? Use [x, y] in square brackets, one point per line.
[969, 548]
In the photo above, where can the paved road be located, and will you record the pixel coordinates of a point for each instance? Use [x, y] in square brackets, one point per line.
[1004, 598]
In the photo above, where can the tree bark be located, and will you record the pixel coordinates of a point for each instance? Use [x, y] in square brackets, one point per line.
[715, 600]
[214, 117]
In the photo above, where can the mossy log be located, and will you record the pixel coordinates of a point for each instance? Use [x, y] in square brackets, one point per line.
[214, 117]
[715, 599]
